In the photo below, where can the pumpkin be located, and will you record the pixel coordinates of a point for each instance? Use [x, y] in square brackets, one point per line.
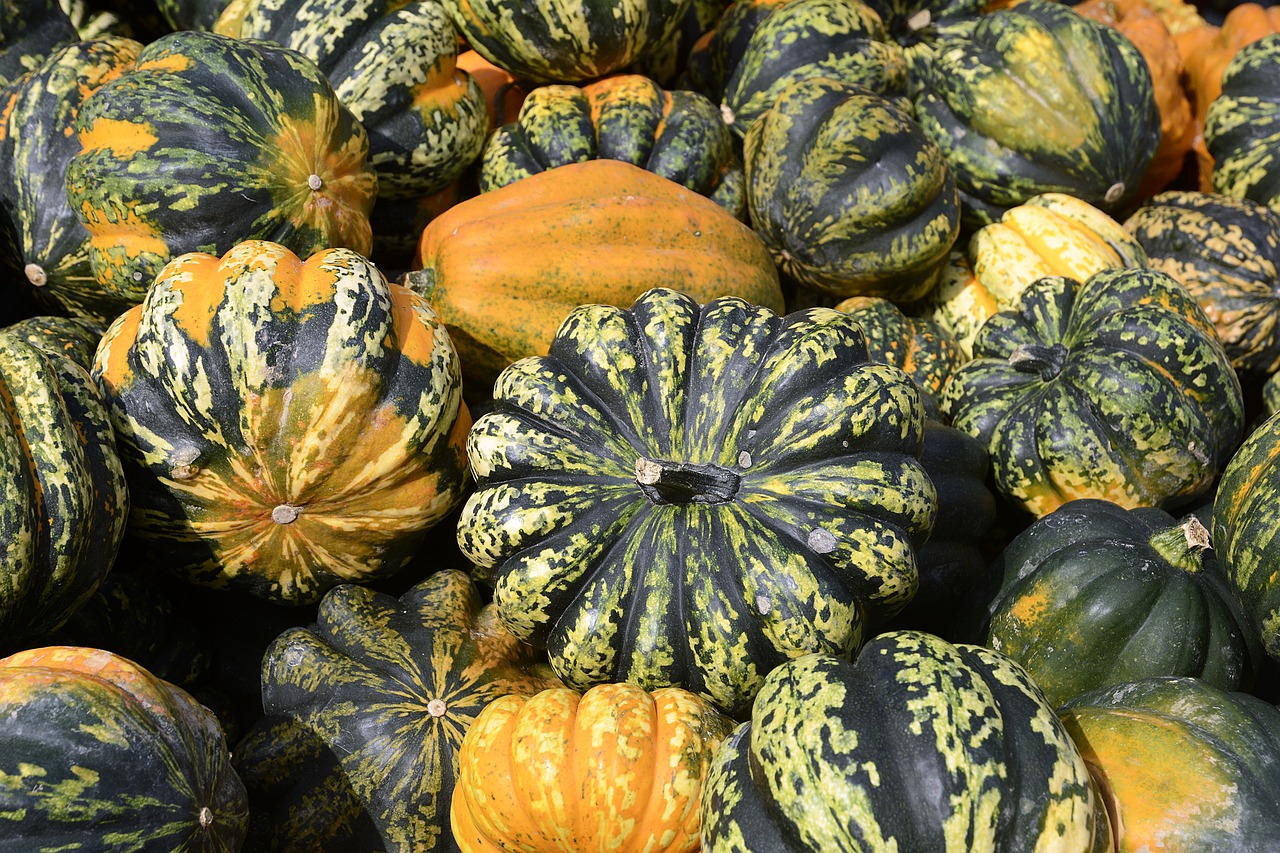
[1182, 765]
[1036, 98]
[209, 141]
[1094, 595]
[365, 714]
[1115, 388]
[64, 499]
[96, 752]
[848, 193]
[1244, 512]
[667, 496]
[51, 255]
[1226, 252]
[613, 768]
[545, 41]
[394, 66]
[917, 744]
[676, 134]
[1143, 25]
[505, 268]
[1242, 121]
[285, 425]
[30, 31]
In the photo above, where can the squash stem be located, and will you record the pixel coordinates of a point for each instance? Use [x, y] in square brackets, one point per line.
[1047, 361]
[685, 482]
[422, 282]
[1183, 545]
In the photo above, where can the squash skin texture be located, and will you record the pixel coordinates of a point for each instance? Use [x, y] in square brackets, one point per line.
[97, 751]
[614, 768]
[1240, 125]
[916, 745]
[505, 268]
[666, 499]
[267, 406]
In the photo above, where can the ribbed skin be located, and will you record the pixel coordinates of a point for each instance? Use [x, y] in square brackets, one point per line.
[1242, 121]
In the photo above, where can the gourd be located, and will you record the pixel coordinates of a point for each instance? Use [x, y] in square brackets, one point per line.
[1241, 121]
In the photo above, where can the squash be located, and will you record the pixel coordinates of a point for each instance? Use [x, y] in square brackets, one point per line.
[98, 753]
[505, 268]
[613, 768]
[1241, 123]
[365, 715]
[285, 425]
[30, 32]
[667, 63]
[63, 499]
[546, 41]
[1094, 595]
[848, 193]
[503, 94]
[209, 141]
[1226, 252]
[1182, 765]
[1036, 98]
[676, 134]
[1115, 388]
[51, 255]
[917, 744]
[666, 497]
[919, 25]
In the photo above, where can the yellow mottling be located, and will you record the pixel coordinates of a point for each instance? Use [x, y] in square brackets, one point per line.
[124, 139]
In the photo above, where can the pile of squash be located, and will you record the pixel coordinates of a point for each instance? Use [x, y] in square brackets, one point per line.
[751, 425]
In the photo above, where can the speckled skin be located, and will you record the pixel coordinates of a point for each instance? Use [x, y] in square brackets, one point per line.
[1241, 123]
[691, 495]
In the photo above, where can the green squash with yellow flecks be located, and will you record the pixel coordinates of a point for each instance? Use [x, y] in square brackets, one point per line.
[208, 141]
[685, 494]
[1036, 98]
[916, 745]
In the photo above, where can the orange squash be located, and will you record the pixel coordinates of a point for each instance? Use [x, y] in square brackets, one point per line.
[615, 768]
[504, 269]
[1143, 26]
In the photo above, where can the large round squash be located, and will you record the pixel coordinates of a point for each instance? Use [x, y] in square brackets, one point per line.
[685, 494]
[209, 141]
[285, 425]
[916, 745]
[1116, 388]
[1241, 125]
[613, 768]
[96, 753]
[504, 269]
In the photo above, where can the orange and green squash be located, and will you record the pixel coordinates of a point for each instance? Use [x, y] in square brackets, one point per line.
[31, 31]
[285, 425]
[613, 768]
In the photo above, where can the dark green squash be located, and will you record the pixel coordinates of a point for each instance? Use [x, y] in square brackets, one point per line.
[916, 745]
[849, 194]
[51, 254]
[1036, 98]
[676, 134]
[1116, 389]
[692, 495]
[63, 498]
[667, 63]
[1226, 252]
[365, 714]
[31, 31]
[74, 337]
[919, 25]
[1241, 124]
[96, 753]
[209, 141]
[1094, 595]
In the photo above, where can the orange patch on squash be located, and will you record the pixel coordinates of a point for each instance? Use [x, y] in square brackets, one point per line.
[173, 63]
[123, 139]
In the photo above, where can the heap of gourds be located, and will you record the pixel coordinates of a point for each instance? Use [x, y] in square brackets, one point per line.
[759, 425]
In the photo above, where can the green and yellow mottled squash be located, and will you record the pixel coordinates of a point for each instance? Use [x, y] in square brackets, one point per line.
[667, 63]
[73, 337]
[1245, 508]
[1182, 765]
[916, 745]
[63, 498]
[848, 193]
[1036, 98]
[1116, 388]
[209, 141]
[285, 425]
[96, 753]
[1095, 595]
[918, 25]
[31, 31]
[51, 254]
[550, 41]
[677, 134]
[669, 497]
[504, 269]
[613, 768]
[366, 711]
[1226, 252]
[1241, 124]
[394, 65]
